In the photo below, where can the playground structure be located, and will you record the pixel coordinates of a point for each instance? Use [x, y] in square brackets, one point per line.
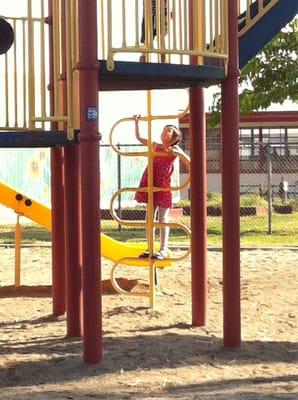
[57, 50]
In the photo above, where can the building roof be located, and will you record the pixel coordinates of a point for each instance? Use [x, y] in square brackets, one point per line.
[260, 118]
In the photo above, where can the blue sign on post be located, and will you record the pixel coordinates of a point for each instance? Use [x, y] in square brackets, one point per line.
[91, 114]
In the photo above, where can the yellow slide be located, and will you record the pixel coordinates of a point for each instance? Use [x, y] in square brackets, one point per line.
[111, 249]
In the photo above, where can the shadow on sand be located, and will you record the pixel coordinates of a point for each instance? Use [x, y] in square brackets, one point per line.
[179, 346]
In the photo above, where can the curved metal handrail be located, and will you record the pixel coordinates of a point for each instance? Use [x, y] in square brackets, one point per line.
[118, 288]
[151, 264]
[143, 189]
[152, 118]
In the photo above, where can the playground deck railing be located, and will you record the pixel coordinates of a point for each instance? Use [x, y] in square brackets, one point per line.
[163, 31]
[173, 32]
[32, 91]
[40, 40]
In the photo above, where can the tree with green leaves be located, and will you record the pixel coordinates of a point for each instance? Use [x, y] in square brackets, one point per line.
[271, 77]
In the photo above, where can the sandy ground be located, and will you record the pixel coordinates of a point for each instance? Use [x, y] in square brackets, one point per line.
[155, 354]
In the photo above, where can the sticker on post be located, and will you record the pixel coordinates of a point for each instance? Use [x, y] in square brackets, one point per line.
[91, 114]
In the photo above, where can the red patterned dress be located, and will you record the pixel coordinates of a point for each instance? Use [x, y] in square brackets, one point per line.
[163, 167]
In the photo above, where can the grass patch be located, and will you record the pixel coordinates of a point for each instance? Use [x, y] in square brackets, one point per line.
[31, 233]
[253, 231]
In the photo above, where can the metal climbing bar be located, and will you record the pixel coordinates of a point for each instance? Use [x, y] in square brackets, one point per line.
[149, 224]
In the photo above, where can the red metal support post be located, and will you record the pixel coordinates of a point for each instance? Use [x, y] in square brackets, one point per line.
[72, 207]
[198, 195]
[57, 189]
[198, 188]
[231, 189]
[72, 241]
[58, 249]
[89, 154]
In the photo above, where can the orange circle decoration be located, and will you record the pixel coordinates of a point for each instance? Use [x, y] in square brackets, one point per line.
[35, 169]
[42, 155]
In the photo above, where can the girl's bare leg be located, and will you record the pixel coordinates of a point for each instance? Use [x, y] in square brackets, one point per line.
[146, 252]
[163, 216]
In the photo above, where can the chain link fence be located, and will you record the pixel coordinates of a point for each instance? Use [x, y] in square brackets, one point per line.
[268, 185]
[268, 177]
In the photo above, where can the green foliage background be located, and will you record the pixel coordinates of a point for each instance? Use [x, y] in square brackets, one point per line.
[269, 78]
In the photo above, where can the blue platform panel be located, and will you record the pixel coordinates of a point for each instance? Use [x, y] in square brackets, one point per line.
[35, 139]
[146, 76]
[265, 29]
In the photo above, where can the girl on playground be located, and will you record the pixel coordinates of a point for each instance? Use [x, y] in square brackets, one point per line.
[163, 167]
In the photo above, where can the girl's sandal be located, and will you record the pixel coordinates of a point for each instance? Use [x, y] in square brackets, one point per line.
[160, 255]
[145, 254]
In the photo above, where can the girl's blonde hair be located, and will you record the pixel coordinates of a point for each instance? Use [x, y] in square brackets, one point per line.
[177, 134]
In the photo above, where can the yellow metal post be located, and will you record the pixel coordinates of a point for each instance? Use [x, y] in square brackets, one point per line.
[69, 66]
[31, 67]
[17, 244]
[150, 205]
